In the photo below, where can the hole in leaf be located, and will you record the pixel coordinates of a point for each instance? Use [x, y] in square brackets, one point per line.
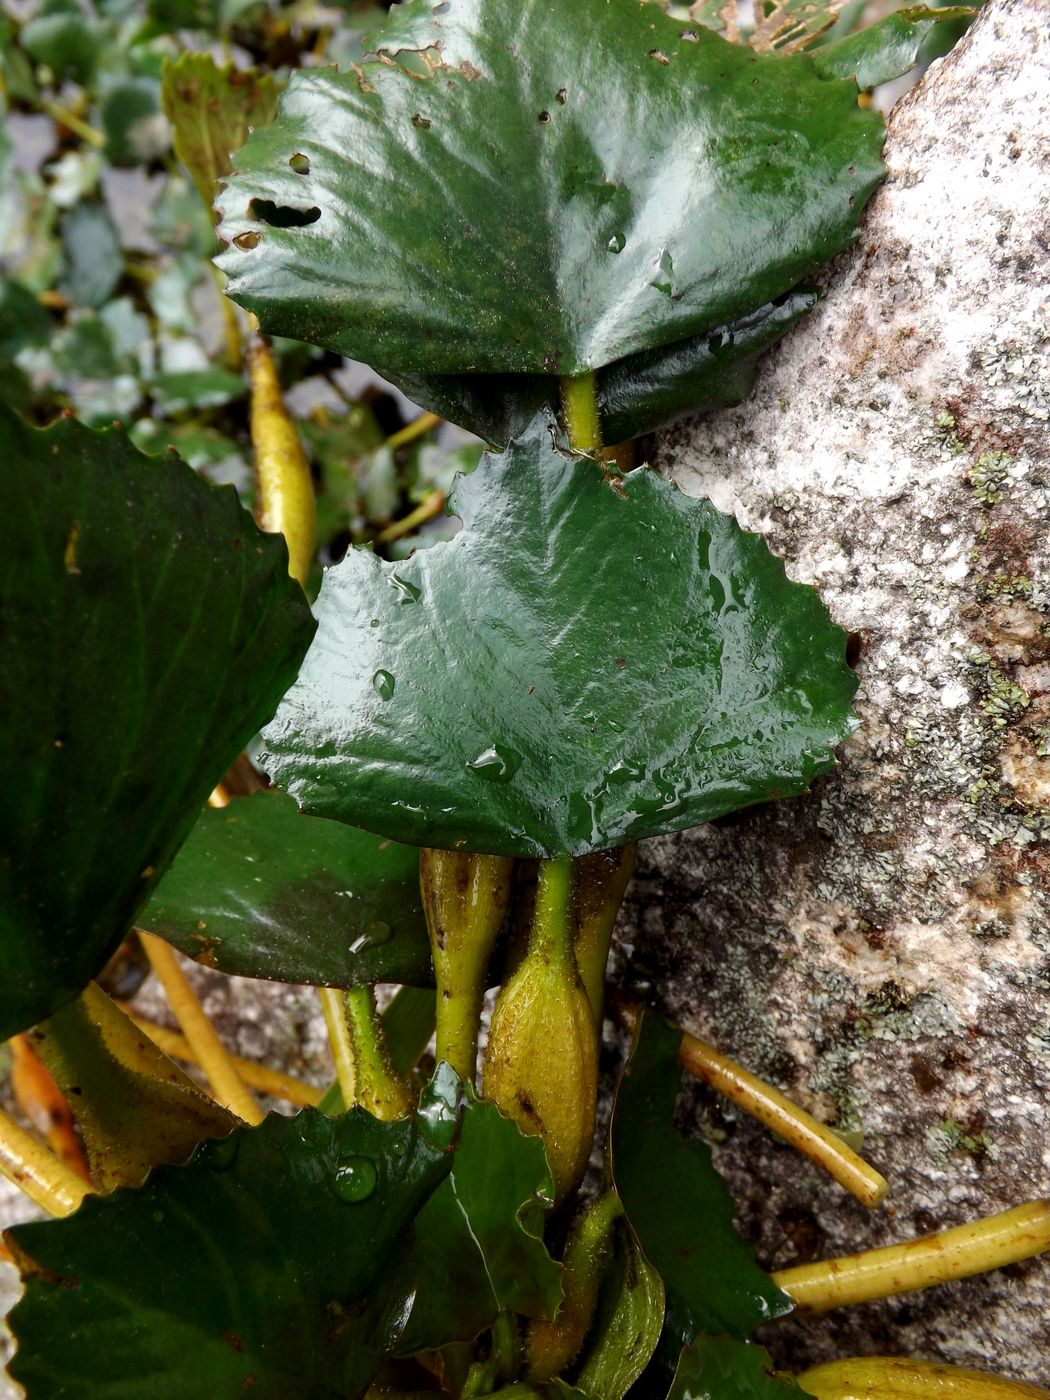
[421, 121]
[544, 117]
[689, 36]
[659, 55]
[561, 97]
[854, 649]
[280, 215]
[442, 9]
[300, 163]
[247, 240]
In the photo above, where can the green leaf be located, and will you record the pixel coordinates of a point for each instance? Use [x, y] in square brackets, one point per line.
[678, 1205]
[664, 182]
[211, 110]
[23, 321]
[479, 1242]
[149, 629]
[179, 390]
[136, 133]
[66, 41]
[275, 1263]
[635, 395]
[581, 666]
[261, 891]
[720, 1368]
[894, 45]
[629, 1322]
[94, 260]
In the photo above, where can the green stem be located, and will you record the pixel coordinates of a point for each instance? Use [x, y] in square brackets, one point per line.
[506, 1348]
[88, 134]
[600, 883]
[579, 398]
[554, 1345]
[378, 1088]
[465, 897]
[552, 927]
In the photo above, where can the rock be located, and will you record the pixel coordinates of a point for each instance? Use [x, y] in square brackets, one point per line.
[880, 948]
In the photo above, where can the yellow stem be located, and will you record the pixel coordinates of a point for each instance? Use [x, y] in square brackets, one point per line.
[36, 1170]
[212, 1056]
[899, 1378]
[282, 472]
[579, 399]
[432, 506]
[413, 430]
[268, 1081]
[73, 123]
[334, 1008]
[785, 1118]
[901, 1268]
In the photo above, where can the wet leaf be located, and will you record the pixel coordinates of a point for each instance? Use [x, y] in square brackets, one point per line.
[261, 891]
[211, 110]
[628, 1325]
[486, 694]
[636, 395]
[286, 1268]
[678, 1205]
[665, 182]
[894, 45]
[720, 1368]
[479, 1241]
[159, 628]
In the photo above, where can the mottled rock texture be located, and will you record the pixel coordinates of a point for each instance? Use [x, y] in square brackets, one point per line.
[881, 948]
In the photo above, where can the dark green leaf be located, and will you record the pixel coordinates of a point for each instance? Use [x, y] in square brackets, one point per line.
[23, 321]
[266, 1266]
[196, 388]
[149, 629]
[678, 1205]
[211, 110]
[720, 1368]
[664, 182]
[264, 892]
[93, 256]
[136, 133]
[579, 667]
[636, 395]
[894, 45]
[66, 41]
[480, 1237]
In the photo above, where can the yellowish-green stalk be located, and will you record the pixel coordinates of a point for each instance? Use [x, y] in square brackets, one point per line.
[901, 1268]
[432, 506]
[579, 402]
[212, 1056]
[553, 1346]
[285, 486]
[334, 1008]
[377, 1085]
[776, 1111]
[423, 424]
[36, 1170]
[465, 897]
[541, 1064]
[897, 1378]
[599, 883]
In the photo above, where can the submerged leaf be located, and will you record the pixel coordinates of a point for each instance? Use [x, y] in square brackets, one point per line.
[275, 1263]
[664, 182]
[479, 1244]
[261, 891]
[149, 629]
[582, 665]
[678, 1205]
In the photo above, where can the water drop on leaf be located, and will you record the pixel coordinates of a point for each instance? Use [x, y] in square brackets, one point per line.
[383, 684]
[498, 763]
[355, 1179]
[407, 592]
[617, 243]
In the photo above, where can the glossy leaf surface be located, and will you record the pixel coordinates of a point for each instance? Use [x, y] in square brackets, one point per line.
[720, 1368]
[479, 1242]
[635, 395]
[274, 1263]
[664, 182]
[678, 1205]
[579, 667]
[149, 629]
[261, 891]
[894, 45]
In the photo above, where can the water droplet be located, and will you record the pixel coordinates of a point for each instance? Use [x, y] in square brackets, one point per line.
[407, 592]
[498, 764]
[664, 279]
[355, 1179]
[383, 684]
[374, 936]
[624, 772]
[247, 240]
[374, 622]
[221, 1155]
[617, 243]
[300, 163]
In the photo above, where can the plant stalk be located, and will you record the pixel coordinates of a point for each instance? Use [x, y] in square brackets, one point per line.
[968, 1249]
[36, 1170]
[583, 423]
[600, 882]
[898, 1378]
[465, 897]
[285, 486]
[369, 1080]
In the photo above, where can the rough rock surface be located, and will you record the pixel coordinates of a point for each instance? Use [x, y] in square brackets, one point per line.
[881, 948]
